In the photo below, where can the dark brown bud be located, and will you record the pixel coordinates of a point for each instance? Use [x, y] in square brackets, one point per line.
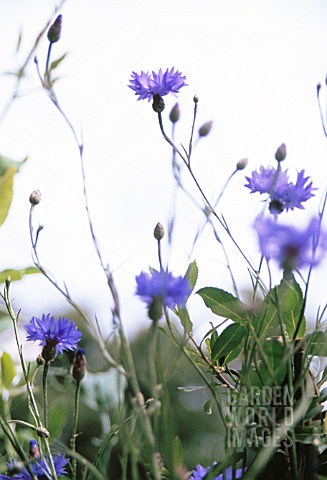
[174, 114]
[80, 367]
[280, 154]
[35, 197]
[54, 32]
[195, 99]
[205, 129]
[159, 232]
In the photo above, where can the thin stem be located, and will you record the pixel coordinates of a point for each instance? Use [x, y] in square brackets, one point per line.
[74, 428]
[45, 393]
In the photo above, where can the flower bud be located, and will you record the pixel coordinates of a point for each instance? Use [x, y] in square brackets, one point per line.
[155, 309]
[241, 164]
[40, 360]
[80, 367]
[35, 197]
[174, 114]
[42, 432]
[34, 449]
[280, 154]
[205, 129]
[195, 99]
[158, 103]
[54, 32]
[159, 232]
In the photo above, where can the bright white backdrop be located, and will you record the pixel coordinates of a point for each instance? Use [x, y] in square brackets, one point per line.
[253, 64]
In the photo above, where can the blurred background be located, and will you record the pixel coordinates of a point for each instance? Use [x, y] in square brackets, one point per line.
[254, 66]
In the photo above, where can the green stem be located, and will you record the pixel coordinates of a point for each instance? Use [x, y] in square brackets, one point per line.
[74, 429]
[45, 393]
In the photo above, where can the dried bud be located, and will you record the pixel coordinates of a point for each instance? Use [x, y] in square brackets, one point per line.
[280, 154]
[158, 103]
[174, 114]
[34, 449]
[54, 32]
[159, 232]
[241, 164]
[80, 367]
[35, 197]
[205, 129]
[195, 99]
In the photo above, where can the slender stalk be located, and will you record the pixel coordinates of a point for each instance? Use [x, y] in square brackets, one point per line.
[74, 428]
[45, 393]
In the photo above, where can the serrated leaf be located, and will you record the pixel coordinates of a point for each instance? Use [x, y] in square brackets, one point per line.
[229, 344]
[317, 343]
[185, 319]
[177, 453]
[223, 303]
[283, 302]
[57, 62]
[8, 371]
[17, 274]
[57, 417]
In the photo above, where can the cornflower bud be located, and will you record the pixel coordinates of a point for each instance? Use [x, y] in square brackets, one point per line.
[34, 449]
[174, 114]
[159, 232]
[35, 197]
[280, 154]
[241, 164]
[80, 367]
[205, 129]
[195, 99]
[54, 32]
[158, 103]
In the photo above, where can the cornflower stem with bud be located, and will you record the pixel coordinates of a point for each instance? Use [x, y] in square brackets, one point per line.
[74, 427]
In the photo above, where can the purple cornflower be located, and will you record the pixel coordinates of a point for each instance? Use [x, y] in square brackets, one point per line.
[41, 469]
[55, 336]
[146, 86]
[161, 288]
[291, 247]
[283, 193]
[201, 472]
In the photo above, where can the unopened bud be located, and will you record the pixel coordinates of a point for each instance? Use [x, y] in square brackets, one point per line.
[42, 432]
[54, 32]
[205, 129]
[195, 99]
[35, 197]
[159, 232]
[280, 154]
[34, 449]
[241, 164]
[158, 103]
[40, 360]
[80, 367]
[174, 114]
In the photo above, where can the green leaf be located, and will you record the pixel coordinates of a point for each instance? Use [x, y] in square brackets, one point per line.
[6, 163]
[185, 319]
[17, 274]
[57, 417]
[284, 303]
[57, 62]
[8, 371]
[6, 192]
[177, 453]
[229, 344]
[223, 303]
[192, 274]
[275, 356]
[317, 343]
[207, 407]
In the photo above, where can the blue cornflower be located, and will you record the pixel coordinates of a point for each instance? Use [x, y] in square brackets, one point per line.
[146, 86]
[291, 247]
[40, 469]
[283, 194]
[55, 336]
[200, 472]
[161, 288]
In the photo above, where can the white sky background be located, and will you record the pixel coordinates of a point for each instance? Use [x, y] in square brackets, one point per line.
[254, 66]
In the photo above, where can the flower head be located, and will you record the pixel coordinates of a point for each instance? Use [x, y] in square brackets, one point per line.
[40, 469]
[283, 194]
[146, 86]
[162, 288]
[200, 472]
[55, 336]
[291, 247]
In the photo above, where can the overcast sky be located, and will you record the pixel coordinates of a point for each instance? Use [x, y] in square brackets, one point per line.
[254, 64]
